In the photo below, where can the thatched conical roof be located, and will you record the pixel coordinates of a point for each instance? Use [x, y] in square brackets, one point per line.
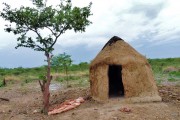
[117, 51]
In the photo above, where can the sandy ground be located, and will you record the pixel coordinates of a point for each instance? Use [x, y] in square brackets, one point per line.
[26, 103]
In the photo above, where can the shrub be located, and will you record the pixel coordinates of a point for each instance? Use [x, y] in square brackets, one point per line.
[1, 83]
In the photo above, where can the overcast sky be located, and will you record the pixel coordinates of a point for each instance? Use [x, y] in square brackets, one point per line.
[152, 27]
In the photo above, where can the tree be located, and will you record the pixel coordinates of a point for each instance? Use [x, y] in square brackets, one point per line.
[41, 17]
[64, 61]
[61, 61]
[83, 66]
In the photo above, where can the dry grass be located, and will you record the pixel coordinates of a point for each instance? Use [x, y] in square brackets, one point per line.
[12, 78]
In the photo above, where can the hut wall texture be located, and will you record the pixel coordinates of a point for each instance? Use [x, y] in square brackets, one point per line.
[137, 76]
[99, 83]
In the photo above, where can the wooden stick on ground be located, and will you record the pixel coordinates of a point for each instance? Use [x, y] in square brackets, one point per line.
[5, 99]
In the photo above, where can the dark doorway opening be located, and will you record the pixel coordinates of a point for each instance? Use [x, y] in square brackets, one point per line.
[116, 88]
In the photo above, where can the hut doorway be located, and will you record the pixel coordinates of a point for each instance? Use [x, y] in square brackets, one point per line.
[116, 88]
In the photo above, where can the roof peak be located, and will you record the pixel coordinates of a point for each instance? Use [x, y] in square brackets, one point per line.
[112, 40]
[115, 38]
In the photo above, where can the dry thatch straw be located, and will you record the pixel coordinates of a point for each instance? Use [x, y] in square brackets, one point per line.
[129, 70]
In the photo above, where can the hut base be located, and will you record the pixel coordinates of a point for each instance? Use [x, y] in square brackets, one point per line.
[146, 99]
[143, 99]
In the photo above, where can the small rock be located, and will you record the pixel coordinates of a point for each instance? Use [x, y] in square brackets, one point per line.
[35, 111]
[174, 94]
[24, 112]
[102, 113]
[73, 113]
[163, 91]
[170, 95]
[111, 110]
[125, 109]
[115, 118]
[2, 111]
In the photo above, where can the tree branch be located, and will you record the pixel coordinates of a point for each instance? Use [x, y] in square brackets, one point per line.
[51, 31]
[41, 85]
[57, 37]
[40, 48]
[40, 37]
[35, 30]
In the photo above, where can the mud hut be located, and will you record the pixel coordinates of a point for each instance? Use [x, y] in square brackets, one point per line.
[120, 71]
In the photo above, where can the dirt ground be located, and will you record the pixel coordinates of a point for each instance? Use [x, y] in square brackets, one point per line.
[25, 103]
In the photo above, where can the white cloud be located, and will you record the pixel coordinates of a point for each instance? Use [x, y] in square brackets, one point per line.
[125, 18]
[118, 18]
[155, 22]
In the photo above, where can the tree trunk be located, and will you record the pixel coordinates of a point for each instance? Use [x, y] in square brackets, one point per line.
[67, 77]
[46, 96]
[4, 82]
[45, 86]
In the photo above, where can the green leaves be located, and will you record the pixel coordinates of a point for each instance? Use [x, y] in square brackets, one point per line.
[39, 3]
[42, 77]
[61, 60]
[42, 17]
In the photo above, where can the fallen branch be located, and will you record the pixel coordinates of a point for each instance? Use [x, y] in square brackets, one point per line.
[5, 99]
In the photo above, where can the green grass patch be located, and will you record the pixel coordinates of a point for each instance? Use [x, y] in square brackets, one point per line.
[78, 74]
[175, 74]
[172, 79]
[1, 83]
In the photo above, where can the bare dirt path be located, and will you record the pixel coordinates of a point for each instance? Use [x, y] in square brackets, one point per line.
[25, 104]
